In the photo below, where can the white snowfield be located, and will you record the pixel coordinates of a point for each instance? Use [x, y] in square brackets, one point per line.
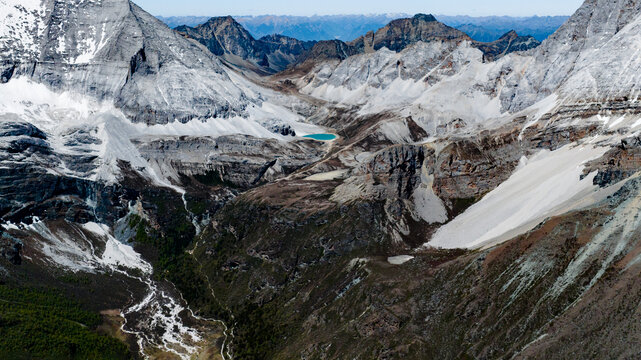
[545, 185]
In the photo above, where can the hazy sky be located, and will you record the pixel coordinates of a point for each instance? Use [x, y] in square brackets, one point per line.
[325, 7]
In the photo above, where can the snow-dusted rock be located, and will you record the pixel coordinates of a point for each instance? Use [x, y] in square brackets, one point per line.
[592, 57]
[113, 50]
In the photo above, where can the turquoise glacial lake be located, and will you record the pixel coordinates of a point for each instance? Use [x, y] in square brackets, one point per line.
[322, 137]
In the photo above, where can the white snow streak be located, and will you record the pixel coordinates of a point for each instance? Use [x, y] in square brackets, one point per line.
[116, 253]
[328, 176]
[399, 260]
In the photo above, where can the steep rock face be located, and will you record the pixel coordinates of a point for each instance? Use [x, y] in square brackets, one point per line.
[242, 162]
[115, 51]
[577, 61]
[329, 50]
[392, 173]
[224, 36]
[21, 25]
[618, 164]
[465, 170]
[437, 84]
[397, 168]
[283, 51]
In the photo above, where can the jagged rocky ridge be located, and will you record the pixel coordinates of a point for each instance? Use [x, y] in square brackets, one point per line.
[347, 27]
[402, 33]
[223, 36]
[471, 206]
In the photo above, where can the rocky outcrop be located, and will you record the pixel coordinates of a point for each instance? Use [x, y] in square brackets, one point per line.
[10, 248]
[26, 187]
[330, 49]
[283, 51]
[224, 35]
[397, 169]
[577, 61]
[241, 162]
[465, 170]
[30, 187]
[508, 43]
[618, 164]
[401, 33]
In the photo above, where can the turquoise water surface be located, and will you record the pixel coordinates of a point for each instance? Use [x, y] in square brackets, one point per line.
[322, 137]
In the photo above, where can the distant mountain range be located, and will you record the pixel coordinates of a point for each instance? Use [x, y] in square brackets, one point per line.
[490, 28]
[350, 27]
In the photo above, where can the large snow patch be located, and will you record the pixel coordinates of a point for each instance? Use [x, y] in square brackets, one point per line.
[545, 185]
